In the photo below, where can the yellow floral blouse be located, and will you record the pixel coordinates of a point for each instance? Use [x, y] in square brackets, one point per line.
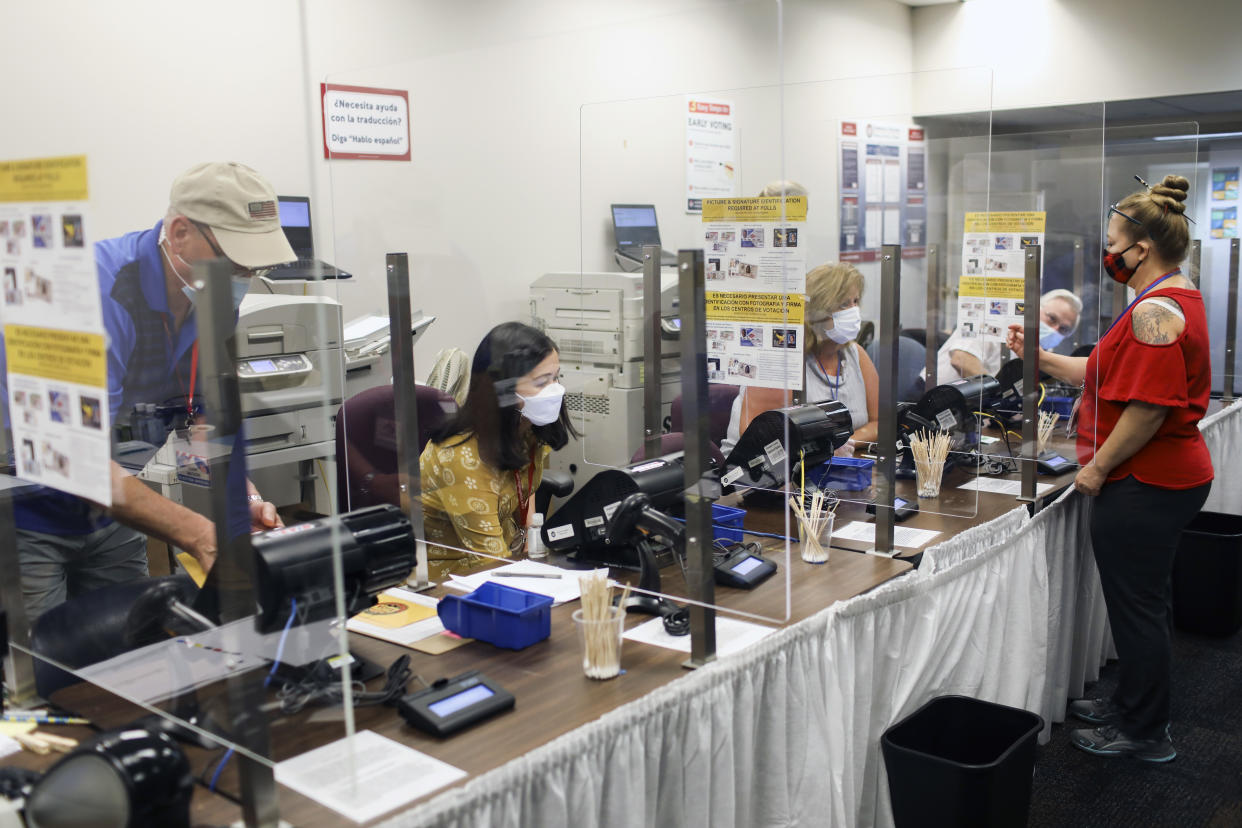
[469, 505]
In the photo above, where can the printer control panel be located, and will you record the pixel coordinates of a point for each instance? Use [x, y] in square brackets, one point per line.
[260, 367]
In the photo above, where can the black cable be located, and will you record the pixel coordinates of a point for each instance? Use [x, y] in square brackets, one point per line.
[317, 687]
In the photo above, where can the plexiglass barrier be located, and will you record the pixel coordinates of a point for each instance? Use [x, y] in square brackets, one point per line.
[215, 422]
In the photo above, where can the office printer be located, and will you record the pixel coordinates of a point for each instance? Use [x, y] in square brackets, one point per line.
[596, 321]
[291, 376]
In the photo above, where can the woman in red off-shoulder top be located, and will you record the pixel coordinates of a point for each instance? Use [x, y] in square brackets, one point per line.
[1144, 462]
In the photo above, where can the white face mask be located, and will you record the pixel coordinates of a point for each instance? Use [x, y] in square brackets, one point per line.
[543, 408]
[240, 286]
[1049, 337]
[845, 325]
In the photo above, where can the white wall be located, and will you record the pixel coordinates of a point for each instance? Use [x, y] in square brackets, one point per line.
[1048, 52]
[491, 198]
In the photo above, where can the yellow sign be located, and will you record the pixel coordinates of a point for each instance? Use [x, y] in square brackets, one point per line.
[775, 208]
[730, 306]
[1027, 222]
[44, 179]
[65, 356]
[991, 287]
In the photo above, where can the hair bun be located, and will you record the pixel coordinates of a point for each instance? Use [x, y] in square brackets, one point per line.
[1170, 193]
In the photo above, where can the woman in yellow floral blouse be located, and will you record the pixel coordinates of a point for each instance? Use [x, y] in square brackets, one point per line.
[482, 466]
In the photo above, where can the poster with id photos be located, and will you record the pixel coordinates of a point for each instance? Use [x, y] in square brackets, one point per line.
[991, 293]
[755, 278]
[54, 341]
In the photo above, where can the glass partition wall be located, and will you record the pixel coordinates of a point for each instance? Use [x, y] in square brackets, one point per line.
[683, 327]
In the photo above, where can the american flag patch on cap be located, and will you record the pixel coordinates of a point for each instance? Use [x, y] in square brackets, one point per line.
[262, 209]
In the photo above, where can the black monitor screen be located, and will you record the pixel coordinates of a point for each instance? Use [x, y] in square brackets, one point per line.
[295, 221]
[635, 225]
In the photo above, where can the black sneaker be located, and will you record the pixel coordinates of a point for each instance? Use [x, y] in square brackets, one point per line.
[1095, 711]
[1107, 740]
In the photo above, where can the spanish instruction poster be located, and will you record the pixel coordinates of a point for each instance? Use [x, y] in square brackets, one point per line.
[53, 328]
[883, 189]
[755, 281]
[711, 151]
[991, 293]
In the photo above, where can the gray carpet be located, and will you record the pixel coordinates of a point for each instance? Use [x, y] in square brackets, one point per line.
[1202, 787]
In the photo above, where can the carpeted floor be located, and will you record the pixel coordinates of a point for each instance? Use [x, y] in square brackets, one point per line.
[1202, 787]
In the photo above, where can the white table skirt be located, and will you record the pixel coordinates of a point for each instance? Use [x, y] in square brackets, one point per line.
[1223, 434]
[788, 732]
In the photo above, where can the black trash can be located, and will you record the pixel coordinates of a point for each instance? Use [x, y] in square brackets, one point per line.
[1207, 575]
[958, 761]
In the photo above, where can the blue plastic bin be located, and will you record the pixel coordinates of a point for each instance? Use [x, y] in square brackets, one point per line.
[1059, 405]
[727, 516]
[498, 614]
[850, 474]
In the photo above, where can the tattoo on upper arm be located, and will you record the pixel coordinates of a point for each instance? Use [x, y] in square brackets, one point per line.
[1154, 325]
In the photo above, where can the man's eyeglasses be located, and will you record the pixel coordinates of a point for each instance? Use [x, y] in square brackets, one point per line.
[238, 270]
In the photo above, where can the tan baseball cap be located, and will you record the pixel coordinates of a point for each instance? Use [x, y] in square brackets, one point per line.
[239, 206]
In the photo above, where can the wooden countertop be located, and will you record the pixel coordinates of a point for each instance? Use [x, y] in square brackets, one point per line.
[553, 695]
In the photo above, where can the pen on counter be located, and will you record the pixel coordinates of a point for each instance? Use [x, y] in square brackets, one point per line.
[42, 718]
[526, 575]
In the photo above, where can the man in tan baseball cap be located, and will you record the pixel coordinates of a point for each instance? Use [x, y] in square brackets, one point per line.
[240, 208]
[148, 295]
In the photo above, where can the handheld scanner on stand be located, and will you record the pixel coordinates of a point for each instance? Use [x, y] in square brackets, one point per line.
[636, 525]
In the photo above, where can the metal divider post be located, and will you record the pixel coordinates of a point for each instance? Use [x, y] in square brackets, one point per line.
[935, 315]
[1231, 322]
[886, 365]
[19, 674]
[699, 493]
[1080, 267]
[233, 571]
[652, 350]
[1196, 257]
[1030, 375]
[405, 398]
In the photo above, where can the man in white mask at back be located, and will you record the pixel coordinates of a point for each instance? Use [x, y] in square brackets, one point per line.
[963, 356]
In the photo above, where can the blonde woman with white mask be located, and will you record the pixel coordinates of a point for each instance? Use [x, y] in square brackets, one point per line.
[836, 367]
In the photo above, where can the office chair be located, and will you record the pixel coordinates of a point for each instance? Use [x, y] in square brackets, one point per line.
[911, 359]
[94, 627]
[719, 406]
[366, 448]
[366, 443]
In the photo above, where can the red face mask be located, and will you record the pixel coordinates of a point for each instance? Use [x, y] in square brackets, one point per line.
[1115, 265]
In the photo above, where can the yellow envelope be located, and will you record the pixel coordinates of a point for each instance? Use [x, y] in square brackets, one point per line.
[393, 613]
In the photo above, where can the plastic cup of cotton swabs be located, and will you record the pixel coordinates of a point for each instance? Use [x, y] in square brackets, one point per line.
[816, 516]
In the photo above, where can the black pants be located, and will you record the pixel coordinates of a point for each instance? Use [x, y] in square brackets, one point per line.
[1134, 530]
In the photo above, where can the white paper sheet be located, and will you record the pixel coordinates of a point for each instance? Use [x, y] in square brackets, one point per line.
[387, 775]
[407, 635]
[731, 636]
[561, 590]
[902, 535]
[9, 746]
[364, 326]
[1005, 487]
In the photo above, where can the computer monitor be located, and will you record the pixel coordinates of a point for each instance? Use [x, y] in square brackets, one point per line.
[634, 226]
[295, 220]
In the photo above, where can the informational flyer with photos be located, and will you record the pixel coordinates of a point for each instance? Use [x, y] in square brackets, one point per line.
[755, 339]
[991, 292]
[754, 244]
[53, 328]
[755, 281]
